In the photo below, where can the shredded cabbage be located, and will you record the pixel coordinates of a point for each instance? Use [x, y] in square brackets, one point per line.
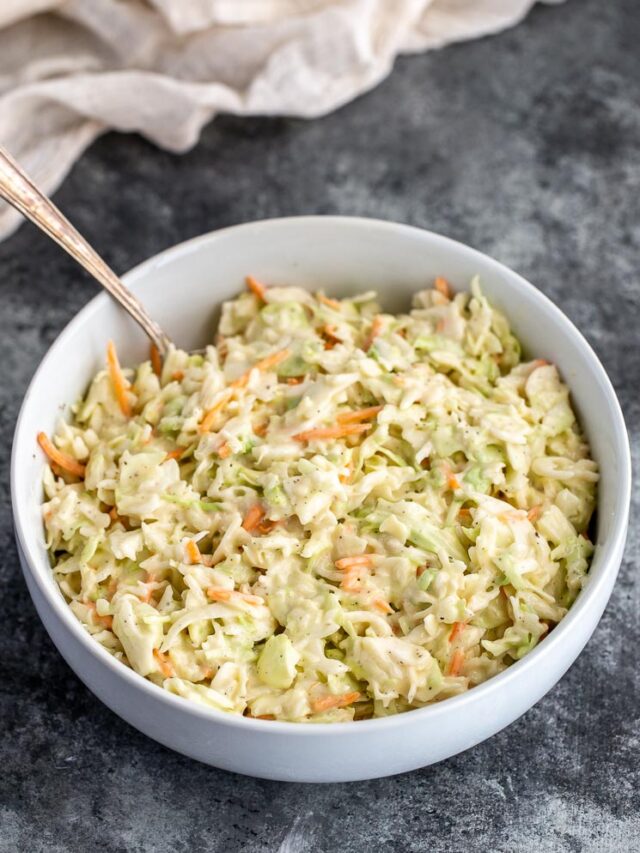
[334, 514]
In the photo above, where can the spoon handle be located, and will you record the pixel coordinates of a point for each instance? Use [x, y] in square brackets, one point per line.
[20, 191]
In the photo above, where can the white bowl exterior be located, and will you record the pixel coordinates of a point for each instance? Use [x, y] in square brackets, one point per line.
[181, 288]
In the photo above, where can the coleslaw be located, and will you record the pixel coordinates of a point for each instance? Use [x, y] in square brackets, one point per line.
[332, 514]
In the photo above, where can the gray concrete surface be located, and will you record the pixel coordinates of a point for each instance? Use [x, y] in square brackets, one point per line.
[526, 146]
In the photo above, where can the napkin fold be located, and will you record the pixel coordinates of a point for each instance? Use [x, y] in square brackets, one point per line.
[71, 69]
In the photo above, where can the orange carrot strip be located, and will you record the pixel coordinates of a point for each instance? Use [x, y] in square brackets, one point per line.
[357, 560]
[193, 552]
[271, 360]
[534, 513]
[326, 300]
[220, 594]
[295, 380]
[107, 621]
[210, 414]
[67, 463]
[351, 580]
[382, 605]
[327, 702]
[147, 595]
[452, 480]
[256, 287]
[374, 331]
[262, 365]
[338, 431]
[261, 429]
[456, 663]
[175, 454]
[442, 286]
[464, 513]
[156, 359]
[348, 475]
[177, 375]
[166, 667]
[148, 591]
[224, 450]
[458, 628]
[331, 339]
[119, 383]
[357, 416]
[253, 518]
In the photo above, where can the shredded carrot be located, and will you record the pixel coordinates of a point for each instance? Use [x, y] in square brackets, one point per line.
[177, 375]
[458, 628]
[166, 667]
[264, 717]
[147, 595]
[175, 454]
[338, 431]
[357, 560]
[331, 339]
[456, 663]
[452, 480]
[351, 580]
[295, 380]
[360, 415]
[382, 605]
[220, 594]
[256, 287]
[119, 383]
[267, 526]
[107, 621]
[210, 414]
[193, 552]
[113, 514]
[63, 460]
[442, 286]
[325, 703]
[440, 326]
[326, 300]
[271, 360]
[534, 513]
[464, 513]
[156, 359]
[374, 331]
[253, 518]
[262, 365]
[261, 429]
[265, 364]
[224, 450]
[348, 475]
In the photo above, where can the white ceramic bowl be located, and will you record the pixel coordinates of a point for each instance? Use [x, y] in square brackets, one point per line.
[181, 288]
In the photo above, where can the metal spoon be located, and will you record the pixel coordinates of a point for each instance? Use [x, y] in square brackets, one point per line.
[19, 190]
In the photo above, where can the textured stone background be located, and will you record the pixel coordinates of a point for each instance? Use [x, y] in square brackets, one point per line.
[526, 146]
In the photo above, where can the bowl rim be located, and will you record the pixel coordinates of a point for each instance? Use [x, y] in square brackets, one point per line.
[608, 556]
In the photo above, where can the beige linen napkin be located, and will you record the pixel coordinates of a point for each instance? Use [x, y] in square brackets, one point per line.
[70, 69]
